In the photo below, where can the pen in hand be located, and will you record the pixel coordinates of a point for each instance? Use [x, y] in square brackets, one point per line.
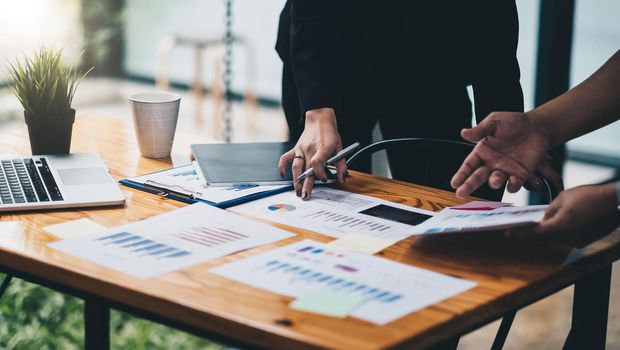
[331, 161]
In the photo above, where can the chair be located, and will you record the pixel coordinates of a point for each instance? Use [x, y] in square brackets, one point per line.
[442, 158]
[215, 46]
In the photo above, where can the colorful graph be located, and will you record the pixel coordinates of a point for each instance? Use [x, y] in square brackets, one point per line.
[210, 236]
[191, 173]
[309, 276]
[340, 220]
[141, 246]
[240, 187]
[280, 207]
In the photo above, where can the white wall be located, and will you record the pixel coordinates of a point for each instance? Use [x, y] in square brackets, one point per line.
[25, 25]
[597, 37]
[149, 21]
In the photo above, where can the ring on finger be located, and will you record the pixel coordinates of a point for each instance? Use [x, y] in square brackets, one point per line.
[298, 156]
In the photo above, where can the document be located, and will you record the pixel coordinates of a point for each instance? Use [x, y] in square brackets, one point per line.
[482, 205]
[185, 180]
[390, 290]
[172, 241]
[75, 228]
[361, 243]
[8, 228]
[452, 220]
[337, 213]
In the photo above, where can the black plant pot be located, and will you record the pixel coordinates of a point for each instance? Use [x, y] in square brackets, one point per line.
[50, 134]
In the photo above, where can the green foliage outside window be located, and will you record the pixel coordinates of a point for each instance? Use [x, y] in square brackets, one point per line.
[37, 318]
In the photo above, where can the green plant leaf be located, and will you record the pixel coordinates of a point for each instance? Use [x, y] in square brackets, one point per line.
[41, 83]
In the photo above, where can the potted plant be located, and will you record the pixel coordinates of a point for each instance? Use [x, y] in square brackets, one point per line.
[45, 88]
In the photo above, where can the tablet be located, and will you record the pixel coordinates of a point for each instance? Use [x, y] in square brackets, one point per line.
[227, 164]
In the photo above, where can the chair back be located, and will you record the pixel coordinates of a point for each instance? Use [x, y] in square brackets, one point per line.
[433, 163]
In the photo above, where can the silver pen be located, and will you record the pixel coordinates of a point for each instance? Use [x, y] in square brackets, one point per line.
[331, 161]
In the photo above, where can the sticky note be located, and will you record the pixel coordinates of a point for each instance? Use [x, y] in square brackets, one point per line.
[328, 302]
[482, 205]
[361, 243]
[75, 228]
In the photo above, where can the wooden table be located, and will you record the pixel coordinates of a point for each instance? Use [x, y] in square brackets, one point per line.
[509, 274]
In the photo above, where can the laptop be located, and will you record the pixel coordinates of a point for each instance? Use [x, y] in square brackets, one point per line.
[56, 181]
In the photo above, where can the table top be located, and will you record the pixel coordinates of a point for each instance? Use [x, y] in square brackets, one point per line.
[509, 273]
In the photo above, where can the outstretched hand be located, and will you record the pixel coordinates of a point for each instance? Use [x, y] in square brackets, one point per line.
[318, 142]
[577, 217]
[510, 148]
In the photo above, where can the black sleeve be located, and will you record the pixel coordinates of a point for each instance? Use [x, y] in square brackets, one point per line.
[316, 52]
[494, 35]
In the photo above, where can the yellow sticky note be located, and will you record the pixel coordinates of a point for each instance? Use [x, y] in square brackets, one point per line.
[75, 228]
[361, 243]
[328, 302]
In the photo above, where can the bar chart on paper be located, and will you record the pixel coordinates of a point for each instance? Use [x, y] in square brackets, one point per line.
[390, 290]
[337, 213]
[185, 179]
[210, 236]
[344, 221]
[172, 241]
[140, 246]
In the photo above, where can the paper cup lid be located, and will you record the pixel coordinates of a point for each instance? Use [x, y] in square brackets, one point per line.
[154, 97]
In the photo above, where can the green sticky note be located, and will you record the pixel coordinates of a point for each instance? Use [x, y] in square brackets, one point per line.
[327, 302]
[75, 229]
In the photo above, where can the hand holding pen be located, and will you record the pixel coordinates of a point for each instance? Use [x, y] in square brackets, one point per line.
[315, 146]
[331, 161]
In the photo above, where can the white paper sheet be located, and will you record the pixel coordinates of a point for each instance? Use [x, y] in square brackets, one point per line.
[8, 228]
[75, 228]
[337, 213]
[172, 241]
[184, 179]
[392, 290]
[451, 220]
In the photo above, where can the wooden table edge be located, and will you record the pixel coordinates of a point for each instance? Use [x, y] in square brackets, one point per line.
[91, 286]
[529, 294]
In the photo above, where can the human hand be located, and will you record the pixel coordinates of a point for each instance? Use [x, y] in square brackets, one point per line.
[318, 142]
[510, 146]
[545, 169]
[577, 217]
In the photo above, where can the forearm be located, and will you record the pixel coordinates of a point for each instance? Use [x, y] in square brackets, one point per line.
[588, 106]
[325, 116]
[316, 53]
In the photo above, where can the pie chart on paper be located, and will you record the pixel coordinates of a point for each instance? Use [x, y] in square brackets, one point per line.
[281, 207]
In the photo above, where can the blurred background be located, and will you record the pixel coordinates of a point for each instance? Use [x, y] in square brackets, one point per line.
[141, 45]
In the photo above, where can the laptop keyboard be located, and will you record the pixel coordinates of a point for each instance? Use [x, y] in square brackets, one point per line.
[27, 180]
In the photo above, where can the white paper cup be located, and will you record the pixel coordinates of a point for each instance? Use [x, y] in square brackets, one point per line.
[155, 116]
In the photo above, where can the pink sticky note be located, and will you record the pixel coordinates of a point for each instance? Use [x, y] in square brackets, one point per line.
[481, 205]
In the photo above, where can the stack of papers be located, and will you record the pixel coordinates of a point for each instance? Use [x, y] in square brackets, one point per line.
[171, 241]
[185, 181]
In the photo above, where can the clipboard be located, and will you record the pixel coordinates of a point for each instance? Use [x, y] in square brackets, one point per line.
[178, 193]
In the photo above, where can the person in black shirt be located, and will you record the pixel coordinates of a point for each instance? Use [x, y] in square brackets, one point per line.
[405, 64]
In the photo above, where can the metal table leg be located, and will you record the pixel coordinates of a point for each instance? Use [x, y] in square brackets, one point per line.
[450, 344]
[5, 284]
[590, 308]
[502, 332]
[96, 324]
